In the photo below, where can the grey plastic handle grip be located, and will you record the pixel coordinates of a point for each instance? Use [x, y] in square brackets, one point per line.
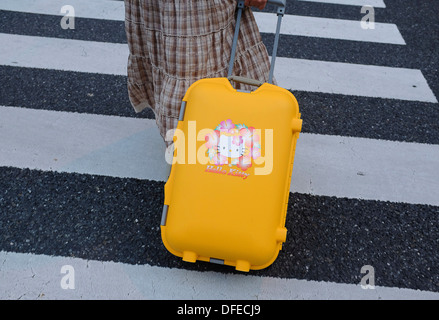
[249, 81]
[280, 12]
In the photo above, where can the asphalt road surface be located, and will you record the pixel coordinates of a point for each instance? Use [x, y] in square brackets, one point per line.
[82, 175]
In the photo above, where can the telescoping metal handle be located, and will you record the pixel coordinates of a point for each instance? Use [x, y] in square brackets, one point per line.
[280, 12]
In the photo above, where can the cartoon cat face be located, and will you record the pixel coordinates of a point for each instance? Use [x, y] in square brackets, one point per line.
[231, 146]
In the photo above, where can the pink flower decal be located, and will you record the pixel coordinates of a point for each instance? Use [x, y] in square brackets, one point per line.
[256, 153]
[212, 139]
[219, 159]
[244, 163]
[226, 125]
[237, 140]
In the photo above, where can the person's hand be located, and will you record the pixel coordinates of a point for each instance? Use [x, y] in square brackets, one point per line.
[260, 4]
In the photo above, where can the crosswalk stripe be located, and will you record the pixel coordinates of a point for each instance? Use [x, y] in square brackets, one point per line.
[29, 276]
[92, 9]
[64, 54]
[295, 74]
[331, 28]
[353, 79]
[292, 24]
[129, 147]
[373, 3]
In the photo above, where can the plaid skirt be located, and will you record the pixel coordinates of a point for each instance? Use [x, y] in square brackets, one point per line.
[173, 43]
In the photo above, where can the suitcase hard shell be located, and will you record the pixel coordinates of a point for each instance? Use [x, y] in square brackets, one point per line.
[227, 194]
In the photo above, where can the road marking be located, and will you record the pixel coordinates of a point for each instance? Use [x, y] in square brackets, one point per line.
[295, 74]
[64, 54]
[292, 25]
[330, 28]
[373, 3]
[366, 169]
[29, 276]
[353, 79]
[130, 147]
[64, 141]
[92, 9]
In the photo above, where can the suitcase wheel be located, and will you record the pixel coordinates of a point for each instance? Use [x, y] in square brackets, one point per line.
[242, 265]
[189, 256]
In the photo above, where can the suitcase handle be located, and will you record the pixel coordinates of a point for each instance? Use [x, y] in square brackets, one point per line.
[252, 82]
[280, 13]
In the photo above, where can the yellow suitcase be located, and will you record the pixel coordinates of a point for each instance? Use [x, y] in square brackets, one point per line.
[227, 194]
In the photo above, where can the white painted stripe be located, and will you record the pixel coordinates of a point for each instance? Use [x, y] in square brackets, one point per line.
[295, 74]
[373, 3]
[330, 28]
[353, 79]
[93, 9]
[63, 54]
[367, 169]
[129, 147]
[84, 143]
[38, 277]
[293, 25]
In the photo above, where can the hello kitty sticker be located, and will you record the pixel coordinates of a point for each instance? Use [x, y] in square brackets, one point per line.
[233, 145]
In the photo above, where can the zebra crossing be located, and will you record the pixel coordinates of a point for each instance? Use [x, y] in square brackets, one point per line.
[82, 177]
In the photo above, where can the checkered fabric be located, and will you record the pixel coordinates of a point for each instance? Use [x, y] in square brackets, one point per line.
[173, 43]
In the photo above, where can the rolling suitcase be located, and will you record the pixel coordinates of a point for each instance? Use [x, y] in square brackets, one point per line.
[227, 193]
